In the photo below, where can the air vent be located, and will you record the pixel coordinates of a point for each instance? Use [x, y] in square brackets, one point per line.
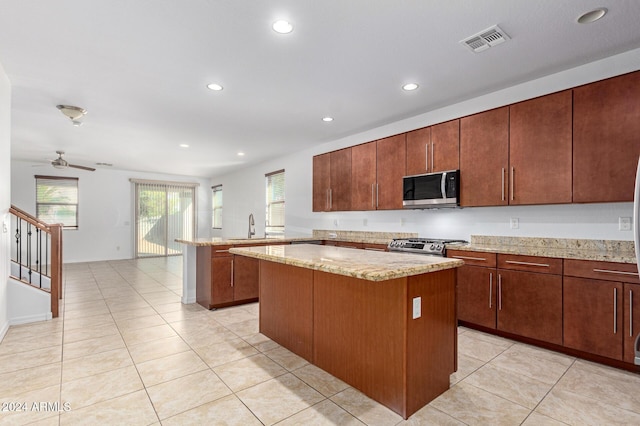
[485, 39]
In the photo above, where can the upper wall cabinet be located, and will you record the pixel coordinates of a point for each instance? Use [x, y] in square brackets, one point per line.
[540, 150]
[484, 158]
[433, 149]
[606, 139]
[332, 181]
[363, 176]
[390, 164]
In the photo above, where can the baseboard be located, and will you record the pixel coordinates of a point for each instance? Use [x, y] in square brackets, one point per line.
[188, 300]
[3, 331]
[30, 318]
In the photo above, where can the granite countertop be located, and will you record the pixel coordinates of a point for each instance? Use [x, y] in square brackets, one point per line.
[563, 248]
[368, 265]
[216, 241]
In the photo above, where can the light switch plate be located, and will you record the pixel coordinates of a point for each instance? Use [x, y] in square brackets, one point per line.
[624, 223]
[417, 307]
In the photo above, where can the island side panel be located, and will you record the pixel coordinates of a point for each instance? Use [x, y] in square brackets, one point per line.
[286, 306]
[359, 334]
[432, 338]
[203, 276]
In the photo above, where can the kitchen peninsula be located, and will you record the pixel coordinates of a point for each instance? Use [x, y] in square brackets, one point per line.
[384, 323]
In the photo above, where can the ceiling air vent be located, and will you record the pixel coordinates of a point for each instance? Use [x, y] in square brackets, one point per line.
[485, 39]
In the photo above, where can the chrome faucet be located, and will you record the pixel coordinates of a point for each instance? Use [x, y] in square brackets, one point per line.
[252, 226]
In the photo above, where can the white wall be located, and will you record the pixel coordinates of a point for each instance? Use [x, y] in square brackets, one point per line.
[243, 191]
[105, 211]
[5, 194]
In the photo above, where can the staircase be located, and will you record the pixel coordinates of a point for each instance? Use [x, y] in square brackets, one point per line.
[35, 282]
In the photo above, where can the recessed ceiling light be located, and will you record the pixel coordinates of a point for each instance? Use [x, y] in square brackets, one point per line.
[241, 154]
[184, 145]
[592, 16]
[215, 86]
[327, 119]
[410, 86]
[282, 27]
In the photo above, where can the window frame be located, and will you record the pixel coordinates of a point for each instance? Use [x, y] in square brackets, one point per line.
[274, 229]
[214, 190]
[39, 178]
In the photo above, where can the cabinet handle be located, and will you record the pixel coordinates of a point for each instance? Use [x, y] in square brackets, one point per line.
[374, 249]
[615, 311]
[433, 166]
[326, 201]
[377, 198]
[609, 271]
[222, 251]
[330, 199]
[482, 259]
[499, 292]
[490, 288]
[515, 262]
[630, 313]
[232, 272]
[513, 191]
[372, 198]
[426, 157]
[502, 176]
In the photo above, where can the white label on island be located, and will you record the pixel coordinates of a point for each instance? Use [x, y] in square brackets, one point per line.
[417, 307]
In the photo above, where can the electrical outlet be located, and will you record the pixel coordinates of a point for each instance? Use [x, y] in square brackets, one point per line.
[402, 221]
[335, 222]
[515, 223]
[364, 222]
[624, 223]
[417, 307]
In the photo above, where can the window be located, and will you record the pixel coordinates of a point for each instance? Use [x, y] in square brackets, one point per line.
[57, 200]
[275, 203]
[217, 206]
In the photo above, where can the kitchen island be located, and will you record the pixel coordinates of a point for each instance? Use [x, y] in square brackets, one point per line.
[385, 323]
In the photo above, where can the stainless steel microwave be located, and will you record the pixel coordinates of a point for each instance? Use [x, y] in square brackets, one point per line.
[431, 190]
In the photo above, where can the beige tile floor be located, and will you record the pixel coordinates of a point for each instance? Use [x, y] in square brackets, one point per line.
[126, 351]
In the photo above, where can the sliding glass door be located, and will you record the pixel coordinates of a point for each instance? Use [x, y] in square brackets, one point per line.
[164, 211]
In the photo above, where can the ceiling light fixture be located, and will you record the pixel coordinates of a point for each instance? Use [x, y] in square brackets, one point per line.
[215, 87]
[592, 16]
[74, 113]
[241, 154]
[184, 145]
[327, 119]
[282, 27]
[410, 86]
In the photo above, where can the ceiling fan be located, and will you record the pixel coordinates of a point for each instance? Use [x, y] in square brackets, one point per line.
[61, 163]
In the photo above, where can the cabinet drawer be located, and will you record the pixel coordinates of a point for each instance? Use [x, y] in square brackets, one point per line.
[545, 265]
[475, 258]
[607, 271]
[375, 247]
[217, 251]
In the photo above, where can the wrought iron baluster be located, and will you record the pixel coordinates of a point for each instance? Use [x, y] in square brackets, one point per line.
[29, 233]
[39, 254]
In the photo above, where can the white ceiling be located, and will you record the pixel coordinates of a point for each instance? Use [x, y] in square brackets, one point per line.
[140, 68]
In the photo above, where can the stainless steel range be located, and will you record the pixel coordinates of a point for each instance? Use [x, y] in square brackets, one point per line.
[430, 246]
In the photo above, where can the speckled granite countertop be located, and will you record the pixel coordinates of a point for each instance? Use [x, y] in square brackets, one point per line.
[564, 248]
[368, 265]
[216, 241]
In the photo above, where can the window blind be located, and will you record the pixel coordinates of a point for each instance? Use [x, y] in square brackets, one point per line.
[217, 206]
[275, 202]
[57, 200]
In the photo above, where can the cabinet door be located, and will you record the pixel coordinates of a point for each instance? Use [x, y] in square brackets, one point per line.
[363, 176]
[631, 320]
[484, 158]
[418, 142]
[593, 316]
[606, 125]
[445, 146]
[391, 160]
[245, 278]
[530, 305]
[221, 280]
[321, 182]
[340, 188]
[476, 295]
[540, 150]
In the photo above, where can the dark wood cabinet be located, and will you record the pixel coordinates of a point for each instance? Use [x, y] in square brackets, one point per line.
[390, 166]
[340, 189]
[593, 316]
[606, 125]
[601, 310]
[484, 158]
[221, 276]
[332, 181]
[540, 150]
[245, 278]
[445, 146]
[363, 176]
[321, 182]
[418, 143]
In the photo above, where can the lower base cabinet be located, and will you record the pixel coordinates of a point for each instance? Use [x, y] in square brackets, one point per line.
[476, 289]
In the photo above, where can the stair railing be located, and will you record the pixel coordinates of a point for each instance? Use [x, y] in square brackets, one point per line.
[37, 254]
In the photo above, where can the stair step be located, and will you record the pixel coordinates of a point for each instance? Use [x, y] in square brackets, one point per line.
[23, 281]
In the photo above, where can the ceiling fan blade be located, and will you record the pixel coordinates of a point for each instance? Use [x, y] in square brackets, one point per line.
[91, 169]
